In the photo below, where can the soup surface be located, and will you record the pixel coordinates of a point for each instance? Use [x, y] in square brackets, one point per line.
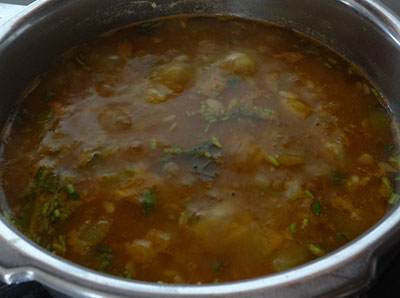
[199, 150]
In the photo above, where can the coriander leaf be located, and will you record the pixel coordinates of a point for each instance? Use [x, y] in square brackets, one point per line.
[216, 142]
[45, 117]
[71, 191]
[316, 208]
[342, 235]
[273, 160]
[218, 265]
[48, 96]
[153, 144]
[339, 178]
[316, 250]
[394, 198]
[104, 249]
[51, 183]
[148, 201]
[128, 274]
[105, 263]
[390, 148]
[305, 223]
[387, 183]
[269, 190]
[309, 194]
[20, 119]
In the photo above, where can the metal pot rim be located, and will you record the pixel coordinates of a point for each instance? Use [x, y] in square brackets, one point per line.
[73, 279]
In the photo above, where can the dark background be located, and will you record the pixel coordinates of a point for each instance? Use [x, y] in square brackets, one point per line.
[386, 286]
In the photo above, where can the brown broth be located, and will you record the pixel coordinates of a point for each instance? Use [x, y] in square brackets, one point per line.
[206, 150]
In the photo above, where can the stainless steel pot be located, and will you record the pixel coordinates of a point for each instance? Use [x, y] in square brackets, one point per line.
[364, 31]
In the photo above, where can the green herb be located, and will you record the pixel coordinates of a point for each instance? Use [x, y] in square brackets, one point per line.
[148, 201]
[177, 151]
[390, 148]
[71, 191]
[394, 198]
[80, 59]
[364, 28]
[349, 70]
[342, 235]
[20, 119]
[205, 149]
[153, 144]
[53, 210]
[216, 142]
[332, 61]
[310, 52]
[270, 190]
[316, 250]
[305, 223]
[264, 113]
[273, 160]
[218, 265]
[395, 160]
[215, 92]
[202, 158]
[339, 178]
[48, 96]
[105, 263]
[211, 116]
[45, 208]
[309, 194]
[59, 247]
[255, 114]
[40, 176]
[327, 65]
[45, 117]
[62, 240]
[51, 184]
[127, 274]
[292, 227]
[207, 154]
[45, 181]
[104, 249]
[316, 208]
[387, 183]
[57, 213]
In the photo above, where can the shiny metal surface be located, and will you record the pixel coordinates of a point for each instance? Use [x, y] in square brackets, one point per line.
[364, 31]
